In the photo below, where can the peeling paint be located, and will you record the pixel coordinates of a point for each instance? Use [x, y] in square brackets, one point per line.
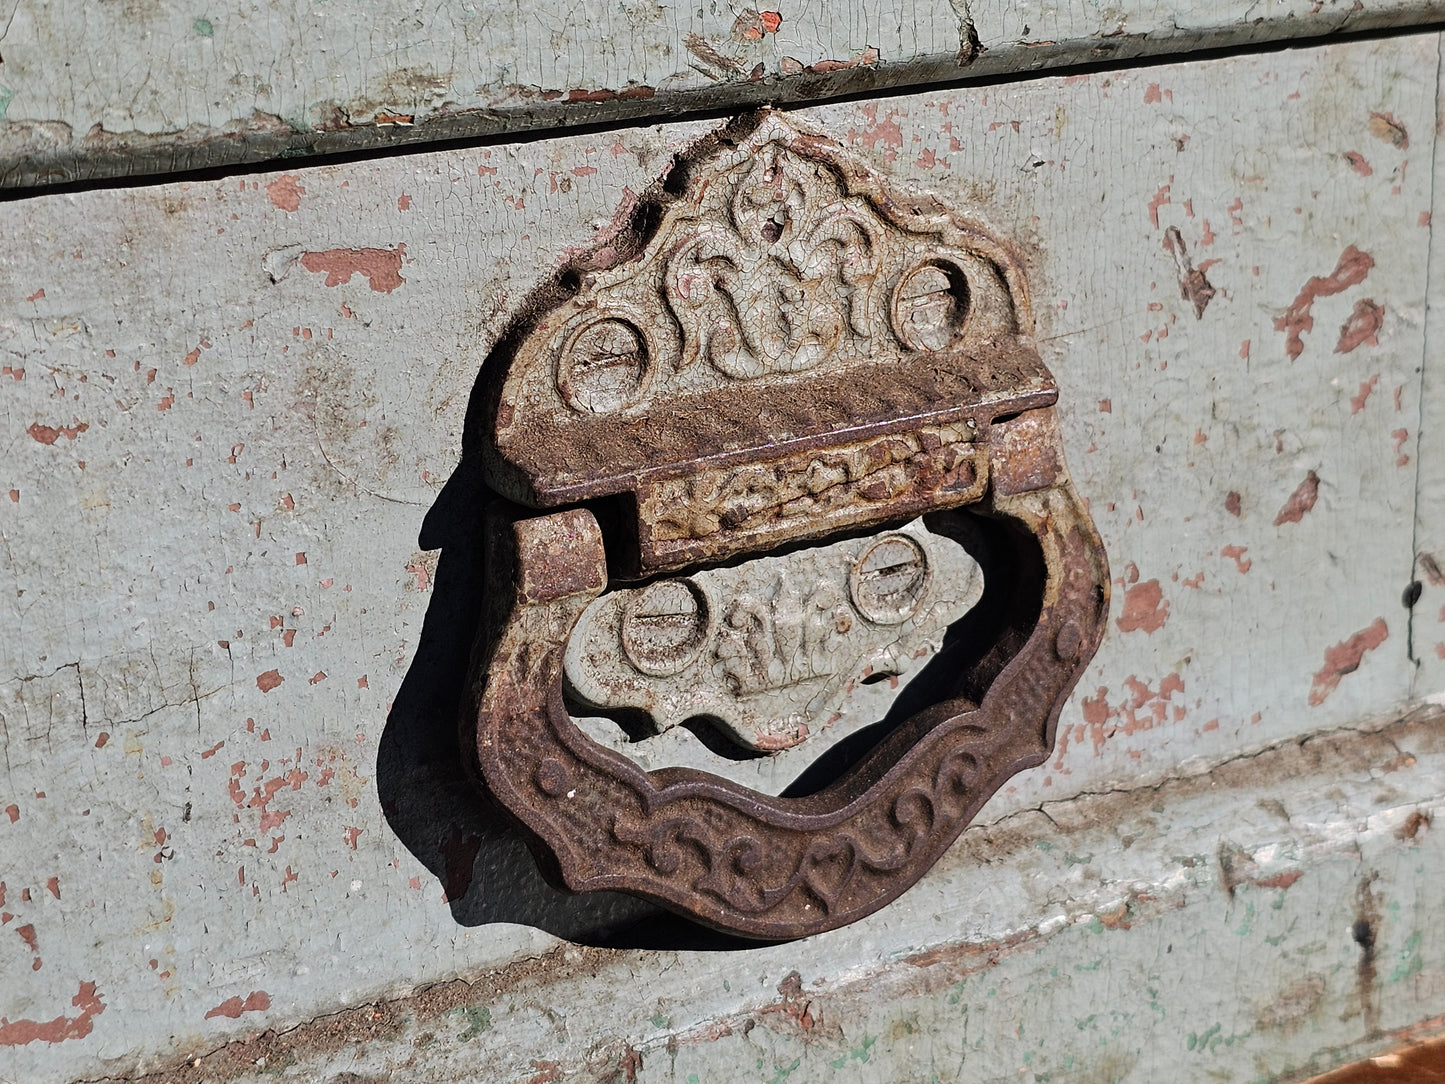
[1363, 326]
[1345, 658]
[49, 434]
[1351, 270]
[381, 267]
[1384, 127]
[1145, 609]
[285, 193]
[61, 1028]
[1300, 502]
[232, 1008]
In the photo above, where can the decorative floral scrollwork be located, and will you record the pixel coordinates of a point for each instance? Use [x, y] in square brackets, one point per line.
[783, 354]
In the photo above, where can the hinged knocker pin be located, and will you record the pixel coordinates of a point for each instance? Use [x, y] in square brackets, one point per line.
[785, 436]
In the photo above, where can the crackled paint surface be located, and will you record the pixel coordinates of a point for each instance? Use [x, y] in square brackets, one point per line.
[1427, 624]
[231, 413]
[244, 81]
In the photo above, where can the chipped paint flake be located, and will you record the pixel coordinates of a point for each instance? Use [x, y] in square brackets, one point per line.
[233, 1007]
[1350, 270]
[1345, 658]
[61, 1028]
[381, 267]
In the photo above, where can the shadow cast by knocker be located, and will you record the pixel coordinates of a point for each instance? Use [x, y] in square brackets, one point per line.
[430, 801]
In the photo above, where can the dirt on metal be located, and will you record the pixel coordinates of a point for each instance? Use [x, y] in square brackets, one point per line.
[779, 347]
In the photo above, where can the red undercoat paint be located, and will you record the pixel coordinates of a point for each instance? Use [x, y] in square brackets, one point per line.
[21, 1032]
[256, 1001]
[1350, 270]
[1300, 501]
[380, 266]
[1345, 658]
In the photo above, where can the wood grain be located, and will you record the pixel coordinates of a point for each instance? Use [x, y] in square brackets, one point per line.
[155, 86]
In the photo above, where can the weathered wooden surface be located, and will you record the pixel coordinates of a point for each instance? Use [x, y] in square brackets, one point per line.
[230, 797]
[1172, 947]
[1427, 616]
[120, 90]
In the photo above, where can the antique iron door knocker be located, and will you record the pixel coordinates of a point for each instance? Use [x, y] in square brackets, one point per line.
[715, 434]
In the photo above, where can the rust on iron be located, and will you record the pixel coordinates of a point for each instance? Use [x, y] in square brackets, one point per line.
[709, 514]
[781, 352]
[1025, 452]
[554, 557]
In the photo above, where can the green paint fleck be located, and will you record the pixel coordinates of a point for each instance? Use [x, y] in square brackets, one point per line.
[1274, 942]
[1089, 967]
[1201, 1042]
[838, 1063]
[1072, 859]
[955, 993]
[1410, 963]
[1086, 1021]
[479, 1019]
[692, 1079]
[864, 1052]
[1043, 845]
[658, 1020]
[1248, 923]
[203, 27]
[1155, 1006]
[782, 1074]
[6, 97]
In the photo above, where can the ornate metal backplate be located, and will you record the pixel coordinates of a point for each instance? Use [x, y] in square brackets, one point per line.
[761, 382]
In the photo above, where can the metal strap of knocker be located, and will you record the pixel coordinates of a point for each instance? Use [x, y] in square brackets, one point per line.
[780, 423]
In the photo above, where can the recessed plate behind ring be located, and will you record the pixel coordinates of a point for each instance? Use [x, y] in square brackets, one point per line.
[770, 650]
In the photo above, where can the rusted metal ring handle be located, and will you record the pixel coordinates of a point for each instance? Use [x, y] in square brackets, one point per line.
[778, 350]
[748, 863]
